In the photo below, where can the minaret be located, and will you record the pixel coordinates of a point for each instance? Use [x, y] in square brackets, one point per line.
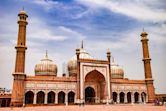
[147, 67]
[17, 98]
[110, 76]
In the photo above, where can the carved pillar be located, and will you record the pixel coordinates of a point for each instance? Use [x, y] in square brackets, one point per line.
[34, 99]
[140, 99]
[144, 98]
[118, 98]
[56, 98]
[132, 98]
[45, 99]
[66, 99]
[125, 98]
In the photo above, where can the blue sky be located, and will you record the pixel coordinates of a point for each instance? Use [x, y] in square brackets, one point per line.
[59, 26]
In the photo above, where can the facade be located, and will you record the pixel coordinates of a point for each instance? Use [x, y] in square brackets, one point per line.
[89, 80]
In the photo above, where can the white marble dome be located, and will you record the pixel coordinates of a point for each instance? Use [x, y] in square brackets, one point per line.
[72, 64]
[116, 71]
[46, 67]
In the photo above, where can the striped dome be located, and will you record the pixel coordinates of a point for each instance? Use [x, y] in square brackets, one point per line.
[72, 64]
[116, 71]
[46, 67]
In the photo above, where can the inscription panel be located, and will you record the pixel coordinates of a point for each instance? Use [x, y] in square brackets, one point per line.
[50, 85]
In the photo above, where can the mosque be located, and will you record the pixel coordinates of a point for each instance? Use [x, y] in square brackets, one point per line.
[89, 81]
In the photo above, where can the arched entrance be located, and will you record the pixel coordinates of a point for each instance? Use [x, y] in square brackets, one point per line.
[61, 97]
[89, 95]
[97, 80]
[136, 96]
[40, 97]
[114, 96]
[51, 98]
[71, 96]
[129, 97]
[29, 97]
[122, 97]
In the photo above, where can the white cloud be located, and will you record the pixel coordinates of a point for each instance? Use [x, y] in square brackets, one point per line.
[138, 9]
[71, 33]
[40, 30]
[47, 4]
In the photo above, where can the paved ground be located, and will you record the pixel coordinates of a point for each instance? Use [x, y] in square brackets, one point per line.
[137, 107]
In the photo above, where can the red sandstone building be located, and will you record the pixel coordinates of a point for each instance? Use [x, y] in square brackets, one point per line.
[89, 80]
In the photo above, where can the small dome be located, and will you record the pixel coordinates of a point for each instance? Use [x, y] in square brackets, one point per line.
[23, 12]
[46, 67]
[72, 64]
[116, 71]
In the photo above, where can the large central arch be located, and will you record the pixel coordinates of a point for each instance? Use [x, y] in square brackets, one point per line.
[95, 84]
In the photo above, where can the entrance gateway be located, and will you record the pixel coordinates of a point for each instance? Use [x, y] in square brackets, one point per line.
[95, 86]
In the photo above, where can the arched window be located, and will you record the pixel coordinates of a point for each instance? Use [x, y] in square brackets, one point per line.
[129, 97]
[143, 97]
[40, 97]
[51, 98]
[71, 96]
[122, 97]
[114, 96]
[136, 97]
[61, 97]
[29, 97]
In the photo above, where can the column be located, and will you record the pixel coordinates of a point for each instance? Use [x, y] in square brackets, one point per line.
[66, 99]
[132, 98]
[125, 98]
[118, 98]
[56, 98]
[34, 99]
[144, 98]
[140, 99]
[45, 98]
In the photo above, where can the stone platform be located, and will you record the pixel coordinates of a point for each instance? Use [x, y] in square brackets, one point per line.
[118, 107]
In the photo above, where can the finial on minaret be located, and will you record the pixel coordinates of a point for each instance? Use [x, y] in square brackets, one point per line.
[82, 44]
[143, 34]
[46, 54]
[23, 8]
[108, 50]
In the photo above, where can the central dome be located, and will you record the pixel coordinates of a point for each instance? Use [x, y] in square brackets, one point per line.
[72, 64]
[46, 67]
